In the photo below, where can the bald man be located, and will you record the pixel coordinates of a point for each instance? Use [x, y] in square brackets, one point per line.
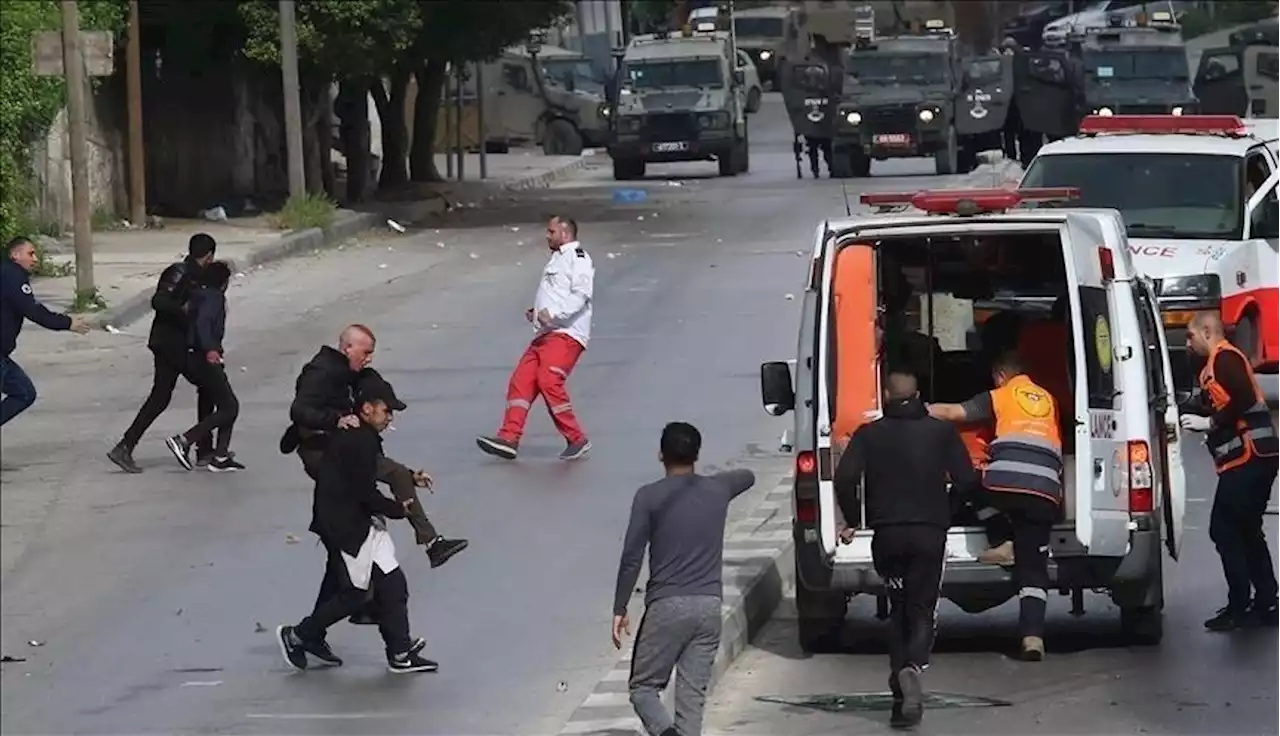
[905, 461]
[1242, 440]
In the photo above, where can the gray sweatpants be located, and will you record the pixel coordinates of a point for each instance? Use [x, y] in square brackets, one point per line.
[683, 633]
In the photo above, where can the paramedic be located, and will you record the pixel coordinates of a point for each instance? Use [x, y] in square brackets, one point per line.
[561, 315]
[906, 458]
[1021, 490]
[1242, 440]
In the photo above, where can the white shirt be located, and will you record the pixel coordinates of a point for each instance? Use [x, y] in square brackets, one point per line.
[566, 292]
[378, 549]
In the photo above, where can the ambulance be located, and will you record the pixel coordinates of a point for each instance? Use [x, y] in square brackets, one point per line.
[1198, 196]
[1124, 482]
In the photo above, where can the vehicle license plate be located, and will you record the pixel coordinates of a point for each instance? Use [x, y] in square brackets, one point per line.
[892, 139]
[670, 146]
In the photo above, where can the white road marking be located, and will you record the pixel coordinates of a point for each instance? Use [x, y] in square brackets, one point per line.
[202, 683]
[323, 716]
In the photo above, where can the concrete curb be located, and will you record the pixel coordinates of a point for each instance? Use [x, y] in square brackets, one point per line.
[345, 225]
[756, 555]
[546, 178]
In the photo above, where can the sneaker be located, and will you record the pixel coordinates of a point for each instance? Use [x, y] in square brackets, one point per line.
[122, 456]
[321, 651]
[497, 447]
[1001, 554]
[1264, 614]
[226, 464]
[1227, 619]
[181, 450]
[912, 697]
[411, 661]
[418, 645]
[291, 648]
[576, 450]
[1032, 649]
[441, 550]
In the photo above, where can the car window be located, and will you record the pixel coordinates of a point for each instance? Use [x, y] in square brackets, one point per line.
[516, 77]
[1095, 313]
[1219, 66]
[1269, 64]
[1256, 171]
[1148, 330]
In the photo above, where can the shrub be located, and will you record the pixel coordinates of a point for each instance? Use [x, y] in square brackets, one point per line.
[309, 210]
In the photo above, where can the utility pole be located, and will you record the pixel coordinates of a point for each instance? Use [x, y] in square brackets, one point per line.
[292, 103]
[73, 69]
[457, 111]
[137, 159]
[484, 133]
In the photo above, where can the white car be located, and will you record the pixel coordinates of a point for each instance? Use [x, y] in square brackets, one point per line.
[1198, 195]
[751, 81]
[1096, 14]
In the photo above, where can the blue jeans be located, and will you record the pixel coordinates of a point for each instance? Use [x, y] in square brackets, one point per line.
[19, 392]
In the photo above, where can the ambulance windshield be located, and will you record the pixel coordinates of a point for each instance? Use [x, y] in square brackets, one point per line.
[1160, 195]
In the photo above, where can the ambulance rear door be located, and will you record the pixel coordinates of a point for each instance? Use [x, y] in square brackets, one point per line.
[1096, 243]
[1166, 435]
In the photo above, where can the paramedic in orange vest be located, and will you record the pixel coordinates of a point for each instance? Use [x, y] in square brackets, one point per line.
[1021, 490]
[1242, 440]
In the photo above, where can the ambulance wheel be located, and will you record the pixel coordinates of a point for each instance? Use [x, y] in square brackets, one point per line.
[1245, 337]
[819, 619]
[945, 158]
[1142, 625]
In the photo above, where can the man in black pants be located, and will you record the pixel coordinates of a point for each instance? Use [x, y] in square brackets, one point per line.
[208, 312]
[346, 515]
[906, 460]
[168, 344]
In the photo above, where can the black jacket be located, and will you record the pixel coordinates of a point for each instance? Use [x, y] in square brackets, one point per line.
[322, 394]
[17, 303]
[346, 493]
[169, 328]
[208, 324]
[906, 458]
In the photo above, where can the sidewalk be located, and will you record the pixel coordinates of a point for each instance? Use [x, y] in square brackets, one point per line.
[128, 262]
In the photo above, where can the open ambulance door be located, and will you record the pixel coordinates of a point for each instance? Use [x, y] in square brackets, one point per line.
[1173, 480]
[1101, 508]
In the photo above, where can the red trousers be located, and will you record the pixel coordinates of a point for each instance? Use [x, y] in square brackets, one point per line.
[543, 369]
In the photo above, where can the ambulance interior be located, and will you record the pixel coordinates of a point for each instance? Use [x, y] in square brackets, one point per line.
[945, 305]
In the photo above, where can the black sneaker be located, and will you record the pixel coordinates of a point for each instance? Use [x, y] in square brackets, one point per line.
[410, 661]
[321, 651]
[440, 550]
[912, 698]
[418, 645]
[122, 456]
[498, 447]
[291, 648]
[181, 450]
[1264, 614]
[576, 450]
[226, 464]
[1227, 619]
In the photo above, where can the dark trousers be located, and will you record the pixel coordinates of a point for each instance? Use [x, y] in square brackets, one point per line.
[19, 392]
[909, 558]
[1235, 526]
[388, 592]
[1028, 521]
[216, 388]
[169, 365]
[397, 477]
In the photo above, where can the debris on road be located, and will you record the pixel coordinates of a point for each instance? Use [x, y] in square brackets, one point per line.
[396, 226]
[789, 297]
[6, 658]
[258, 628]
[290, 539]
[35, 643]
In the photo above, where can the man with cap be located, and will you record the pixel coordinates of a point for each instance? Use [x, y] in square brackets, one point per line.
[348, 515]
[168, 345]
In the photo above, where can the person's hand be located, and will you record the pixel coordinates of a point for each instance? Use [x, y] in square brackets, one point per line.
[621, 628]
[350, 421]
[407, 504]
[213, 357]
[422, 480]
[846, 535]
[1194, 423]
[528, 314]
[544, 317]
[80, 325]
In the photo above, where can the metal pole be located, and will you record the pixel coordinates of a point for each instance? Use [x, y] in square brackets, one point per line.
[457, 129]
[74, 71]
[484, 133]
[137, 158]
[292, 103]
[447, 94]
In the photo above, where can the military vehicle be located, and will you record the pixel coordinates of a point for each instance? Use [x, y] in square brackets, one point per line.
[810, 73]
[760, 32]
[899, 102]
[680, 97]
[1241, 78]
[1138, 70]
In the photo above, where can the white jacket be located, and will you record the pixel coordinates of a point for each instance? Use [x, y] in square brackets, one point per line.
[566, 292]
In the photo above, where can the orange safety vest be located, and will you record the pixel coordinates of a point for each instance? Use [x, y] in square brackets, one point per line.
[1253, 434]
[977, 440]
[1026, 454]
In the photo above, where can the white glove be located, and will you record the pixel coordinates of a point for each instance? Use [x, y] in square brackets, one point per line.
[1193, 423]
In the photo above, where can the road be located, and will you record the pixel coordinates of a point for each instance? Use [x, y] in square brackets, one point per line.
[150, 597]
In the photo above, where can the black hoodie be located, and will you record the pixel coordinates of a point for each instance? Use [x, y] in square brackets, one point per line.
[905, 459]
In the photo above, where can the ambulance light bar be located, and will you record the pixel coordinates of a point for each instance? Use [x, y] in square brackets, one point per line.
[1229, 125]
[965, 202]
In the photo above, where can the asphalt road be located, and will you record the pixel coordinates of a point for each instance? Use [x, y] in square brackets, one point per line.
[150, 598]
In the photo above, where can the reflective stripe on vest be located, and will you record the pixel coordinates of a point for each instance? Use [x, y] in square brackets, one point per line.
[1026, 455]
[1254, 433]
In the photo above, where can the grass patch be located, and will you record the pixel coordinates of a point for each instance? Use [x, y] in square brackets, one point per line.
[307, 211]
[88, 301]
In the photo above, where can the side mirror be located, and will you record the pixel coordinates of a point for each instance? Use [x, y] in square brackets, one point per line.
[776, 389]
[739, 77]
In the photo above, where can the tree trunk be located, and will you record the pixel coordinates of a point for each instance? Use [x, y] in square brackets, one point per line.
[426, 111]
[317, 138]
[395, 170]
[353, 112]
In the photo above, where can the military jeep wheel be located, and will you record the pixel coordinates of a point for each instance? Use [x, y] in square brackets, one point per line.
[626, 169]
[728, 161]
[561, 139]
[945, 158]
[744, 154]
[843, 164]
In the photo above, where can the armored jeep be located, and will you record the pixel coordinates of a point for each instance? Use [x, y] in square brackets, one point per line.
[810, 74]
[1136, 71]
[760, 32]
[680, 98]
[1241, 78]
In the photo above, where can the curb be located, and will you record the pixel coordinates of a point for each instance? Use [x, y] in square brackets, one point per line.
[753, 587]
[345, 225]
[546, 178]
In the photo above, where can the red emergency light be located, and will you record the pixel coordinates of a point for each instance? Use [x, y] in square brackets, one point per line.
[968, 201]
[1230, 125]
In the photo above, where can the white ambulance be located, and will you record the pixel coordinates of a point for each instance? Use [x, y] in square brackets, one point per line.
[1124, 480]
[1198, 196]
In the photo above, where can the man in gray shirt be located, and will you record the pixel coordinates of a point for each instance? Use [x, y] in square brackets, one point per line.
[681, 519]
